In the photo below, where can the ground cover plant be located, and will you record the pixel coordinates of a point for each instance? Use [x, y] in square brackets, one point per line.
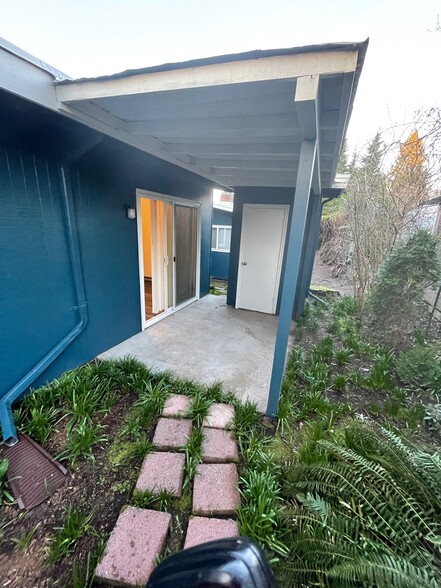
[356, 460]
[343, 489]
[98, 420]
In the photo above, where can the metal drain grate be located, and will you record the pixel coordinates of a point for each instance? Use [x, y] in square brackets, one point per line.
[32, 473]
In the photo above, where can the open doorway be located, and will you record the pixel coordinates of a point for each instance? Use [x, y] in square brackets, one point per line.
[168, 238]
[157, 246]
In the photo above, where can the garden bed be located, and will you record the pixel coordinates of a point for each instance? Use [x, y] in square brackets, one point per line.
[343, 413]
[101, 434]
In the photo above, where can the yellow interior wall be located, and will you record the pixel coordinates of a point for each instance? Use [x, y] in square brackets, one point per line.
[146, 236]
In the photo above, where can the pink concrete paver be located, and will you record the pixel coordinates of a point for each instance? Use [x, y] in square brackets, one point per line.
[162, 471]
[218, 446]
[171, 433]
[220, 416]
[176, 405]
[202, 529]
[215, 489]
[133, 547]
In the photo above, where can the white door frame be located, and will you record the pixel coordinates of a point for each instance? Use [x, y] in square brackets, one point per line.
[172, 200]
[281, 251]
[160, 284]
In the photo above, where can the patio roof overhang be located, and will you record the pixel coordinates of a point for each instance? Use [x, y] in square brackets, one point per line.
[273, 118]
[237, 120]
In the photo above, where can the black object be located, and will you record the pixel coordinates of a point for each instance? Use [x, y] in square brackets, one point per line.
[237, 562]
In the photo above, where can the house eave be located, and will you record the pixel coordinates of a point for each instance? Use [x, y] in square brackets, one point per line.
[254, 91]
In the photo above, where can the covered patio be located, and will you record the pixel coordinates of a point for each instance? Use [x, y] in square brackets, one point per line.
[210, 342]
[269, 125]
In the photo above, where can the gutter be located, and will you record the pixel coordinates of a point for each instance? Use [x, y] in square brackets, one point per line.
[9, 431]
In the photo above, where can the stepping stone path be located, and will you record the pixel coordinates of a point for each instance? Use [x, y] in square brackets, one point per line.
[172, 434]
[202, 529]
[220, 416]
[130, 554]
[162, 471]
[219, 446]
[176, 405]
[139, 535]
[215, 489]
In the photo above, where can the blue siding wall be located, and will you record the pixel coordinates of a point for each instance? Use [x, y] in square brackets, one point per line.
[36, 292]
[36, 288]
[249, 195]
[222, 217]
[220, 261]
[220, 265]
[206, 212]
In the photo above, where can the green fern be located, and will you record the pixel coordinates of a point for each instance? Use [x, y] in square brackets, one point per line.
[384, 570]
[368, 514]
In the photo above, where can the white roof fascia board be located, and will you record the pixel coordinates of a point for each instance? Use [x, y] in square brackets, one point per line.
[236, 72]
[307, 107]
[23, 78]
[24, 55]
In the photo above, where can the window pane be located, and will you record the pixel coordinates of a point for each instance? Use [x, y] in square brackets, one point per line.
[221, 238]
[213, 238]
[228, 238]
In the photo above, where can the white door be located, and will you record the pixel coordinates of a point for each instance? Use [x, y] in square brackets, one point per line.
[261, 252]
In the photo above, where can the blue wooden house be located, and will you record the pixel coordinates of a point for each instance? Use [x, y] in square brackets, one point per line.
[105, 196]
[220, 241]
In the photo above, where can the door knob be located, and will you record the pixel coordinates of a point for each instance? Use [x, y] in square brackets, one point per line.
[244, 263]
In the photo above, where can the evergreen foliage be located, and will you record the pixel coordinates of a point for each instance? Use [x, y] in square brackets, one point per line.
[420, 367]
[396, 303]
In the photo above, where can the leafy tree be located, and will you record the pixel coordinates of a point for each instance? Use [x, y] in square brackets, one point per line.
[369, 216]
[408, 182]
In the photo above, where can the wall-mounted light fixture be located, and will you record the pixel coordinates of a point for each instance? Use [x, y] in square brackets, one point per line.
[130, 212]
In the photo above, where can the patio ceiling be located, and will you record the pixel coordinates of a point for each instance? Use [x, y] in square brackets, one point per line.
[232, 119]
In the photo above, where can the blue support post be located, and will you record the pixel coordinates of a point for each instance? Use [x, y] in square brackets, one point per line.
[312, 236]
[308, 152]
[303, 268]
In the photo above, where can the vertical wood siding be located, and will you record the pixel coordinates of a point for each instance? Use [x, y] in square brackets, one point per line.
[36, 289]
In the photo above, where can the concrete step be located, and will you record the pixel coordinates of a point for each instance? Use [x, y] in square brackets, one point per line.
[219, 446]
[133, 547]
[215, 490]
[176, 405]
[203, 529]
[220, 416]
[172, 434]
[162, 471]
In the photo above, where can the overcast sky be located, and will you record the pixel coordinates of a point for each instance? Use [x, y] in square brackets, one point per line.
[95, 37]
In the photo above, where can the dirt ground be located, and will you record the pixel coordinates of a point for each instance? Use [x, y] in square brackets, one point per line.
[92, 487]
[323, 275]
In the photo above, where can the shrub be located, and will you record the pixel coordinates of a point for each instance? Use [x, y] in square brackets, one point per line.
[420, 367]
[395, 304]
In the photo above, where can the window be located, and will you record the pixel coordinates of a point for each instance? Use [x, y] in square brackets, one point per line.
[220, 238]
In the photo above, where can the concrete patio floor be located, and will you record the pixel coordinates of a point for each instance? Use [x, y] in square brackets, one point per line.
[209, 342]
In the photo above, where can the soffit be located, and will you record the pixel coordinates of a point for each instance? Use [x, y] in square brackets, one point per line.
[235, 123]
